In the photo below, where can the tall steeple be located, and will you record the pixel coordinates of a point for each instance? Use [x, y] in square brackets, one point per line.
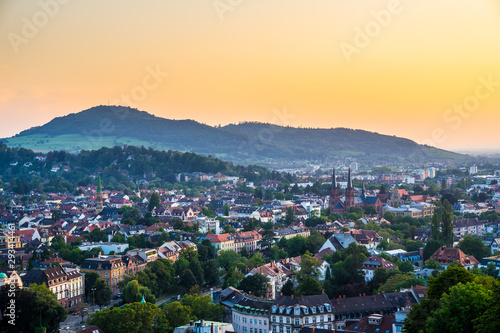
[99, 204]
[334, 192]
[349, 192]
[99, 189]
[334, 178]
[349, 183]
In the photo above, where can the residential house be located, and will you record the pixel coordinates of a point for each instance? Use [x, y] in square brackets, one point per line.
[338, 241]
[292, 231]
[372, 263]
[251, 315]
[289, 313]
[221, 242]
[276, 274]
[147, 255]
[67, 286]
[109, 268]
[133, 263]
[248, 239]
[469, 227]
[447, 255]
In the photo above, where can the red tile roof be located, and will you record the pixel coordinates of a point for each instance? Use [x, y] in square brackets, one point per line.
[447, 255]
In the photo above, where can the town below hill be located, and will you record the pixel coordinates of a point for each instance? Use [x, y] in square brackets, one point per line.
[133, 239]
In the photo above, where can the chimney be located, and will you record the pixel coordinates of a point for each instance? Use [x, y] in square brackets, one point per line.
[338, 300]
[313, 329]
[364, 294]
[212, 328]
[292, 296]
[344, 296]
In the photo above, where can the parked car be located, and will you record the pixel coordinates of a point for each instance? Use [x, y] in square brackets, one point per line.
[76, 313]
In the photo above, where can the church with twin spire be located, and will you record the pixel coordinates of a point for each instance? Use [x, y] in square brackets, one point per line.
[342, 204]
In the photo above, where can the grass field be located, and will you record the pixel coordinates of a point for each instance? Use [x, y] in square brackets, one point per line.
[72, 142]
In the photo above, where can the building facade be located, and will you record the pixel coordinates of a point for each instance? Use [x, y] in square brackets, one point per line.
[109, 268]
[251, 315]
[289, 313]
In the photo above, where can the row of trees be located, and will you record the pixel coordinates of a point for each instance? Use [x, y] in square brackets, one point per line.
[149, 318]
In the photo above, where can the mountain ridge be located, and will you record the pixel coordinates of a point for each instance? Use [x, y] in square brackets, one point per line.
[244, 142]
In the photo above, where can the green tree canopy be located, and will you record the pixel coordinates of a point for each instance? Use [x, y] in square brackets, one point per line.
[132, 318]
[257, 284]
[33, 306]
[474, 246]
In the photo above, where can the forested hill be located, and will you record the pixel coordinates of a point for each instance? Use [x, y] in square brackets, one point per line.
[118, 166]
[245, 143]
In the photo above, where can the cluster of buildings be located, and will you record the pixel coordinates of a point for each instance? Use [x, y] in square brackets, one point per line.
[306, 314]
[37, 221]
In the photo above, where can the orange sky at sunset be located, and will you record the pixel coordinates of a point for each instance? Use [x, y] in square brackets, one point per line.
[424, 70]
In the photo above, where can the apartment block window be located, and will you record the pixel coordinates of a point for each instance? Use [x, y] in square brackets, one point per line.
[288, 320]
[281, 320]
[306, 320]
[314, 319]
[297, 322]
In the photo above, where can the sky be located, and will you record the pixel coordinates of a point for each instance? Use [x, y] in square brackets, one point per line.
[424, 70]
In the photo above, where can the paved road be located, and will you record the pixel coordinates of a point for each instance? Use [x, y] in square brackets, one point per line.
[72, 321]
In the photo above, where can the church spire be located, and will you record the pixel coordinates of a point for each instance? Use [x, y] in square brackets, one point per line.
[334, 178]
[99, 189]
[99, 205]
[349, 183]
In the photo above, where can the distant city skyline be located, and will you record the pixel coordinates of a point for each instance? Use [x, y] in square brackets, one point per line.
[421, 70]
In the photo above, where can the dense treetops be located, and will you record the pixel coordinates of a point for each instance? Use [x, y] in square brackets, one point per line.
[117, 165]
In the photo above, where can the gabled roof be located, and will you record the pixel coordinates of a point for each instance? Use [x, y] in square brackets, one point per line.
[447, 255]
